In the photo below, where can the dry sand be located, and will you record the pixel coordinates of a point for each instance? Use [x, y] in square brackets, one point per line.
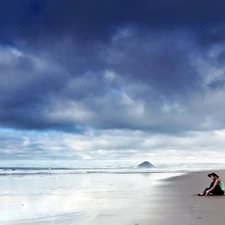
[175, 203]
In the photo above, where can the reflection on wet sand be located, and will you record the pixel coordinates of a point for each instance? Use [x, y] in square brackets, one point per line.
[83, 198]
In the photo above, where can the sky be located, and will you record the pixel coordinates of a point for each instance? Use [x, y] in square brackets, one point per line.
[118, 80]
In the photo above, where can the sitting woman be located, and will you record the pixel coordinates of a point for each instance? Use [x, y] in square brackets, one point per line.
[215, 188]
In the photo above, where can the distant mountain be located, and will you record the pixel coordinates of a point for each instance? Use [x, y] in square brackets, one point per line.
[145, 164]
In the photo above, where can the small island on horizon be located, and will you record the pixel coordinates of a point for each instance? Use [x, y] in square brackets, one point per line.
[145, 165]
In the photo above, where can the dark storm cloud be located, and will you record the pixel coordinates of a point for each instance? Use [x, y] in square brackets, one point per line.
[100, 18]
[130, 64]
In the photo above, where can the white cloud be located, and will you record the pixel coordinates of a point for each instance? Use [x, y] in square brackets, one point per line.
[109, 75]
[116, 144]
[58, 110]
[9, 56]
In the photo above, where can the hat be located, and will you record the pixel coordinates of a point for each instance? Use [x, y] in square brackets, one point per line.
[213, 174]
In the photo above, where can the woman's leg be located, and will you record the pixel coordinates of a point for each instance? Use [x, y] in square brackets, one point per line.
[204, 192]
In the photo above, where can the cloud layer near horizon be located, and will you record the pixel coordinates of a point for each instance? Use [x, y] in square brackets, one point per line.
[73, 66]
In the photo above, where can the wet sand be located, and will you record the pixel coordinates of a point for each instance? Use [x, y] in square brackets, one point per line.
[171, 201]
[81, 199]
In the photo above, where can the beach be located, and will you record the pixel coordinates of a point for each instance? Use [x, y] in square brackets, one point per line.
[109, 198]
[178, 202]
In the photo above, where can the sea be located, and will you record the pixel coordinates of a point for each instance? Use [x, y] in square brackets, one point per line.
[103, 192]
